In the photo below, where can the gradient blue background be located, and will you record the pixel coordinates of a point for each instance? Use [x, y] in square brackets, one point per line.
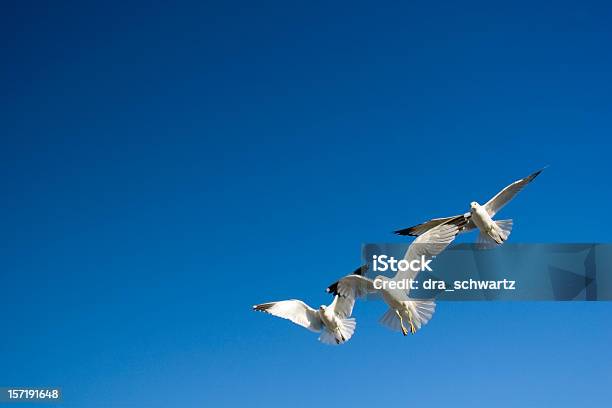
[166, 167]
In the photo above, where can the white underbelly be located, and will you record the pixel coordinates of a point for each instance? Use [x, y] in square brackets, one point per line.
[394, 298]
[329, 321]
[482, 219]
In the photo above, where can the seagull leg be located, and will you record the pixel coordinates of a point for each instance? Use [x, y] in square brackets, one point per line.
[341, 339]
[404, 331]
[412, 328]
[490, 233]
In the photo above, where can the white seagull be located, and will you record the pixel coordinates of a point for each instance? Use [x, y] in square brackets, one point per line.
[401, 307]
[333, 321]
[480, 216]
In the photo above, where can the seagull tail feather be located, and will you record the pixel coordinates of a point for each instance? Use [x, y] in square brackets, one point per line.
[346, 328]
[506, 228]
[390, 320]
[328, 337]
[424, 311]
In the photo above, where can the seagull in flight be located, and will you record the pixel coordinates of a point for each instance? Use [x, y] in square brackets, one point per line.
[401, 306]
[333, 321]
[480, 216]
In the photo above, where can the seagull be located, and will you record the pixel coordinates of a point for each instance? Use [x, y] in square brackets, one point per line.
[401, 307]
[333, 321]
[480, 216]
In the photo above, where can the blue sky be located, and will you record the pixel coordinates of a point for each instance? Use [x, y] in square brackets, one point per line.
[166, 168]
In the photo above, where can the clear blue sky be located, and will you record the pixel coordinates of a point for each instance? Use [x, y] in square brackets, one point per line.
[166, 168]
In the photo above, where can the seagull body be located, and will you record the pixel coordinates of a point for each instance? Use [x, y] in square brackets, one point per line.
[480, 216]
[401, 306]
[333, 321]
[498, 231]
[416, 312]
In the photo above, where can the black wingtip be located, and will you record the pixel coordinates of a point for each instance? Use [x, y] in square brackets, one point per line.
[333, 288]
[406, 232]
[263, 307]
[537, 173]
[362, 270]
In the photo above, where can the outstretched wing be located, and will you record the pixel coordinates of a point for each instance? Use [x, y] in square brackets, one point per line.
[295, 310]
[503, 197]
[362, 270]
[352, 286]
[463, 222]
[343, 306]
[428, 245]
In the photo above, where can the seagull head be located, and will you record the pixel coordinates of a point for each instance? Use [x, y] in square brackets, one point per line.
[322, 307]
[473, 205]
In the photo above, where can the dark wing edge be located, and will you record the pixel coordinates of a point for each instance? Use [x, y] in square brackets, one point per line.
[361, 271]
[459, 220]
